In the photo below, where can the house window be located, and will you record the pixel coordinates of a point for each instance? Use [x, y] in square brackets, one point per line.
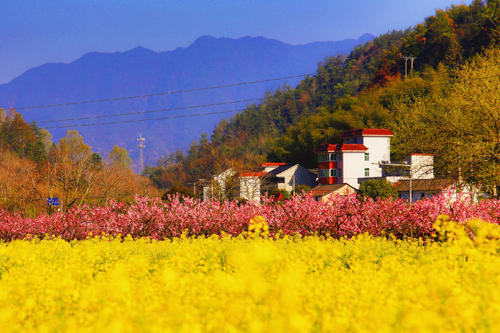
[333, 172]
[367, 156]
[339, 172]
[339, 156]
[323, 157]
[281, 180]
[333, 157]
[323, 173]
[367, 172]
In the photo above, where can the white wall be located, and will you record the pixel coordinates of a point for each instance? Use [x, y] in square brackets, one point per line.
[422, 166]
[451, 194]
[250, 188]
[302, 177]
[353, 167]
[378, 147]
[354, 164]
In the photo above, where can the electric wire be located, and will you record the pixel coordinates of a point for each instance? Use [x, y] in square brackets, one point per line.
[361, 94]
[161, 94]
[140, 120]
[218, 112]
[150, 111]
[184, 91]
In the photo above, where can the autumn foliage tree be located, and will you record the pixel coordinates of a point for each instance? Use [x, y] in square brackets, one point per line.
[460, 128]
[33, 169]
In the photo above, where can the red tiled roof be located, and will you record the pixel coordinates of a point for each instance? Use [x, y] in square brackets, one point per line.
[252, 174]
[272, 164]
[343, 147]
[351, 147]
[367, 132]
[325, 147]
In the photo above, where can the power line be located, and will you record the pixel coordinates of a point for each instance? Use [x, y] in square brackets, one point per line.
[203, 114]
[151, 111]
[179, 108]
[139, 120]
[219, 112]
[361, 94]
[215, 104]
[160, 94]
[175, 92]
[179, 91]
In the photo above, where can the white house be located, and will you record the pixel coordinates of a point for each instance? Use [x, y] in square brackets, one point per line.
[251, 184]
[427, 188]
[355, 160]
[418, 166]
[365, 154]
[288, 176]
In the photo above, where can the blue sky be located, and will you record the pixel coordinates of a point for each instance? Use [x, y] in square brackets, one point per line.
[34, 32]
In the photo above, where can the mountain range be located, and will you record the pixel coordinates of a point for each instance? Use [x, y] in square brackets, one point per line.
[99, 87]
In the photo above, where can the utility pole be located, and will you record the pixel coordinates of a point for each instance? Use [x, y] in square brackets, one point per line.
[141, 147]
[406, 65]
[412, 58]
[459, 167]
[411, 185]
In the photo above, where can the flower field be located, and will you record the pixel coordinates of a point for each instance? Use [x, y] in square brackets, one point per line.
[304, 266]
[253, 283]
[341, 216]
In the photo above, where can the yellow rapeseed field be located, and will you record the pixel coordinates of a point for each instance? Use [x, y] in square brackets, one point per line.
[251, 283]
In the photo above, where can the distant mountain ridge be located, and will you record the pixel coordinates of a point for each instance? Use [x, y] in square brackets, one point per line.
[208, 62]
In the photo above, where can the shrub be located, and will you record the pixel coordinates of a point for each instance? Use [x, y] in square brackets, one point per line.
[377, 189]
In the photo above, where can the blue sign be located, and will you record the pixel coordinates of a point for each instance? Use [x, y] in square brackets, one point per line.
[52, 201]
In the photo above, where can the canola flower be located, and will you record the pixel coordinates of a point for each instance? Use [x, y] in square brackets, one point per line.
[254, 283]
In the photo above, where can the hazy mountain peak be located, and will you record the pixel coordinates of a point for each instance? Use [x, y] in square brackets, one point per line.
[139, 49]
[205, 39]
[366, 37]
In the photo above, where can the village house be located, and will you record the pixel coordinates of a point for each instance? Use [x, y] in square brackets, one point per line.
[356, 159]
[365, 154]
[287, 177]
[251, 185]
[324, 192]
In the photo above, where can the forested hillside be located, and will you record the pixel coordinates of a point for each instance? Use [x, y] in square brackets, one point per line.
[33, 169]
[362, 89]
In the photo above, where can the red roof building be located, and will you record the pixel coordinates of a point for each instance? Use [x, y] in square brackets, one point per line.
[367, 132]
[356, 159]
